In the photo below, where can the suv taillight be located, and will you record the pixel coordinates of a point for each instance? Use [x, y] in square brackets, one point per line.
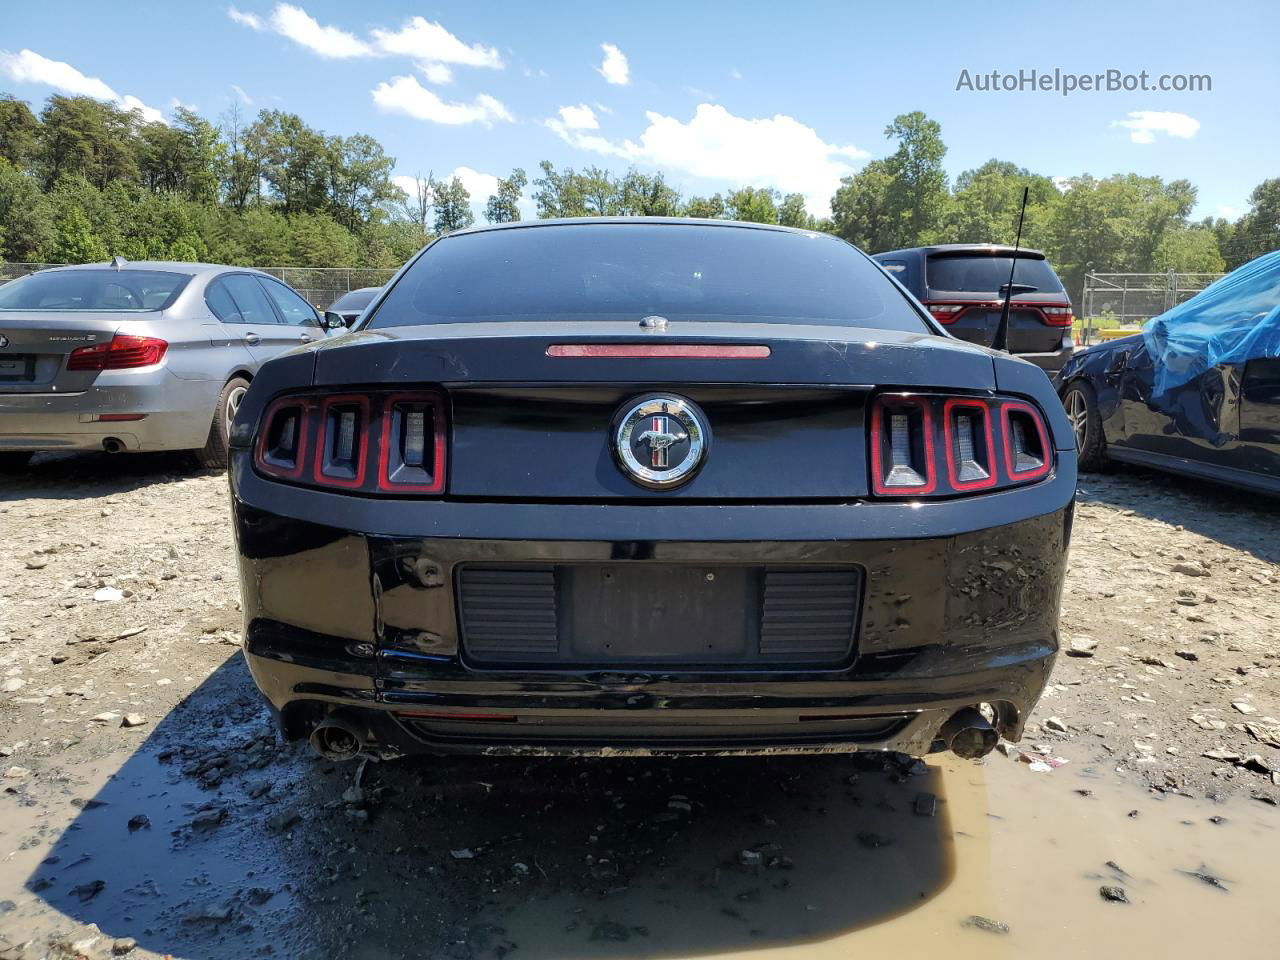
[124, 352]
[372, 443]
[1056, 315]
[985, 443]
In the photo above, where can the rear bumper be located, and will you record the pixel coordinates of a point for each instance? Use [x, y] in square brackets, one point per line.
[177, 414]
[368, 624]
[1050, 363]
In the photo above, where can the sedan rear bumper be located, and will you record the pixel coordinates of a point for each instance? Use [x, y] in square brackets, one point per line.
[370, 626]
[176, 414]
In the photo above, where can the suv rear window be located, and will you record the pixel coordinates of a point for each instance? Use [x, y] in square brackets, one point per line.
[985, 274]
[85, 290]
[628, 271]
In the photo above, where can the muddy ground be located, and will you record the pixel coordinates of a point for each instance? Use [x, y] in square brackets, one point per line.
[146, 807]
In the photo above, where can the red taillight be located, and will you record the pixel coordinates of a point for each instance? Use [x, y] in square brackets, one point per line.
[412, 454]
[388, 443]
[124, 352]
[909, 433]
[1057, 316]
[902, 446]
[945, 312]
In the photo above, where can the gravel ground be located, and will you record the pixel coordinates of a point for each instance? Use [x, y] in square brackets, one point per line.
[144, 792]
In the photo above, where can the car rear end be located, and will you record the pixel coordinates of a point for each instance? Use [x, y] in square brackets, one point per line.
[963, 290]
[441, 551]
[92, 358]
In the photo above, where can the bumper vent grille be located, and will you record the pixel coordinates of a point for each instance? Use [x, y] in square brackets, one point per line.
[646, 616]
[807, 613]
[510, 614]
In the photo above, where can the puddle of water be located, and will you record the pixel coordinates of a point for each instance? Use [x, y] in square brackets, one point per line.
[626, 858]
[1029, 851]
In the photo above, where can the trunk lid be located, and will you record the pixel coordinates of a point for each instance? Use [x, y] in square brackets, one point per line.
[528, 425]
[34, 359]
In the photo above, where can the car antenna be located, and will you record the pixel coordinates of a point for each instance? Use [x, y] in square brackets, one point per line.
[1001, 341]
[118, 262]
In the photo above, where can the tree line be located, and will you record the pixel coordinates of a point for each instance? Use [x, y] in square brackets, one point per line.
[82, 180]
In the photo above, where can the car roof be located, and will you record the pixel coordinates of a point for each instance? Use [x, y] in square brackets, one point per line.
[615, 221]
[169, 266]
[990, 249]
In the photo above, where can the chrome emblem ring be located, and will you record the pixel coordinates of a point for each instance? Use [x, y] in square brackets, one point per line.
[660, 441]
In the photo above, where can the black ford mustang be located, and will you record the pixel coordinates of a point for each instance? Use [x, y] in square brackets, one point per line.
[650, 486]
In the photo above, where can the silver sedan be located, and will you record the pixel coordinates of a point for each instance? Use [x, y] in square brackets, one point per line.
[137, 356]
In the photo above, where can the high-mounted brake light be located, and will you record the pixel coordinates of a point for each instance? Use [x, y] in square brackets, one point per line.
[372, 443]
[123, 352]
[909, 433]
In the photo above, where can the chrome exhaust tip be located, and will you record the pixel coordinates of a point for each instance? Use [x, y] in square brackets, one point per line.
[969, 735]
[335, 740]
[112, 445]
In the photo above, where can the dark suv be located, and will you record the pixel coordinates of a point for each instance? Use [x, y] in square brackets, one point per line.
[961, 284]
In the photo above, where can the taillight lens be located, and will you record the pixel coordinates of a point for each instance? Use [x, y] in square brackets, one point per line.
[985, 443]
[1057, 316]
[374, 443]
[946, 312]
[124, 352]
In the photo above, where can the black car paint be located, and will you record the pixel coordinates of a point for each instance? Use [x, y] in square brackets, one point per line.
[349, 601]
[1223, 425]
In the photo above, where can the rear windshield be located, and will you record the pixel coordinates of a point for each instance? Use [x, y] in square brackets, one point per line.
[79, 290]
[355, 300]
[979, 274]
[626, 271]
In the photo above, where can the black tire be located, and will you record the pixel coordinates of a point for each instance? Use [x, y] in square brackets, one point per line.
[1081, 404]
[214, 454]
[14, 461]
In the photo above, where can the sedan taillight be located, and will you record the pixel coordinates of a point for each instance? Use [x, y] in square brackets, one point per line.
[372, 443]
[983, 443]
[124, 352]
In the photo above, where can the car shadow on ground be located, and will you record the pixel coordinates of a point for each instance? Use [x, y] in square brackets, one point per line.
[1237, 518]
[214, 840]
[63, 476]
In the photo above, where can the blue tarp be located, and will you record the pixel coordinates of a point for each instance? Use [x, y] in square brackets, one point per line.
[1234, 320]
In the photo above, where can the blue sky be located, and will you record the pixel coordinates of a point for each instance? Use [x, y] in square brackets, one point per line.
[714, 94]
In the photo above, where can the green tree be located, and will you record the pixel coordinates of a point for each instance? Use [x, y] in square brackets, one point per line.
[861, 212]
[984, 207]
[84, 137]
[705, 208]
[452, 204]
[753, 205]
[504, 205]
[19, 132]
[1258, 231]
[26, 218]
[1189, 250]
[641, 195]
[359, 179]
[74, 239]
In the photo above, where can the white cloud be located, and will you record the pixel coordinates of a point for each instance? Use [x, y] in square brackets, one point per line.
[535, 74]
[1143, 125]
[735, 73]
[175, 103]
[27, 66]
[302, 28]
[406, 95]
[437, 73]
[614, 68]
[1230, 212]
[421, 39]
[776, 151]
[149, 114]
[250, 20]
[244, 97]
[580, 117]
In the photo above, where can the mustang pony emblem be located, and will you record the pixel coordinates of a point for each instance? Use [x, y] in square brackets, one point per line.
[659, 441]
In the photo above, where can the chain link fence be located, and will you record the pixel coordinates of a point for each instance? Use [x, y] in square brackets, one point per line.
[320, 285]
[1118, 304]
